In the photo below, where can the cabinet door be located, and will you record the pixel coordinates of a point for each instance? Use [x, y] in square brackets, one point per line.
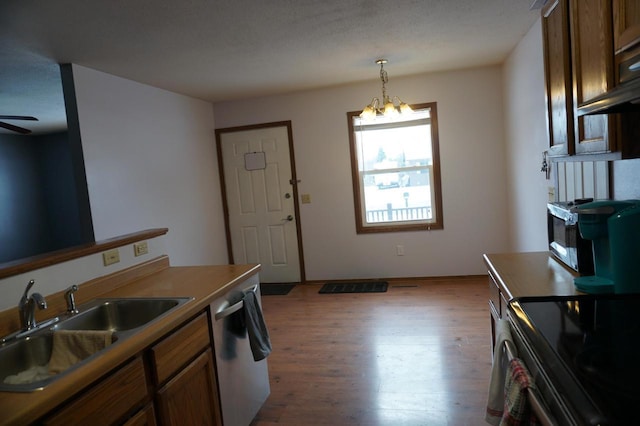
[593, 72]
[626, 17]
[557, 63]
[145, 417]
[191, 397]
[108, 401]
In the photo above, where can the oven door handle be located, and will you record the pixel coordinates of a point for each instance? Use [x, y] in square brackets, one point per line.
[537, 406]
[233, 308]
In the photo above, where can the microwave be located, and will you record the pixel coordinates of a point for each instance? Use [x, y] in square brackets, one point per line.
[565, 241]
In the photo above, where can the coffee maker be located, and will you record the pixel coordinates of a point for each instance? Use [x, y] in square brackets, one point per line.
[614, 230]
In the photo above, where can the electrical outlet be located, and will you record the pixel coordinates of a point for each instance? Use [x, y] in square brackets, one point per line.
[140, 248]
[306, 198]
[110, 257]
[400, 250]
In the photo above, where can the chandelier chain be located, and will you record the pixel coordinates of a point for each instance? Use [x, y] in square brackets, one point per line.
[385, 79]
[385, 106]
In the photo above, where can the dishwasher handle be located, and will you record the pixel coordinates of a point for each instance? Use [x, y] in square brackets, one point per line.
[233, 308]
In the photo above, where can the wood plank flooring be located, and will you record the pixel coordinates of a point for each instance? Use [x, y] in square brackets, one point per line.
[419, 354]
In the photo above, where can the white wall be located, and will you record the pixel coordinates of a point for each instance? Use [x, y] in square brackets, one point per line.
[151, 163]
[526, 139]
[470, 114]
[58, 277]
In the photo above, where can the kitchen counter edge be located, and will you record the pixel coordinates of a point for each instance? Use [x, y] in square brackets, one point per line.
[531, 274]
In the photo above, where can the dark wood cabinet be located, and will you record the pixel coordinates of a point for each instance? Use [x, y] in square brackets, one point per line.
[626, 18]
[177, 373]
[184, 358]
[557, 66]
[144, 417]
[580, 65]
[593, 73]
[190, 397]
[109, 401]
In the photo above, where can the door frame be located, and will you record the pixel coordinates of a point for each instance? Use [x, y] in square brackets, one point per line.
[293, 181]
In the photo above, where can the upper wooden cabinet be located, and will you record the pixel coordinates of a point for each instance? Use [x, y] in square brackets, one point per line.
[626, 18]
[557, 66]
[579, 66]
[593, 72]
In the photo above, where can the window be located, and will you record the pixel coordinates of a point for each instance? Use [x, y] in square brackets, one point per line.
[395, 167]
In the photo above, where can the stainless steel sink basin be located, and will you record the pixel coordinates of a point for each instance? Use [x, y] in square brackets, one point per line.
[118, 315]
[124, 317]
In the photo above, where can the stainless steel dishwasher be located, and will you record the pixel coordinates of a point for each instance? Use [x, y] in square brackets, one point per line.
[243, 382]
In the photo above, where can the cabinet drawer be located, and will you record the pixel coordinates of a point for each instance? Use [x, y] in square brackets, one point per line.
[175, 351]
[108, 401]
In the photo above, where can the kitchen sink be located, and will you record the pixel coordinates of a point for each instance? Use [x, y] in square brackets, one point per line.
[118, 315]
[122, 316]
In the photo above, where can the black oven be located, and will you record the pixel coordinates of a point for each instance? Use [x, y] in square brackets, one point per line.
[582, 352]
[565, 241]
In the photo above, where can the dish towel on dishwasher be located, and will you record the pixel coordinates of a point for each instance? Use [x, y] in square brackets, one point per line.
[517, 410]
[495, 403]
[256, 328]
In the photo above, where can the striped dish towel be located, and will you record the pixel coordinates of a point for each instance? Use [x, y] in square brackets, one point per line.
[517, 410]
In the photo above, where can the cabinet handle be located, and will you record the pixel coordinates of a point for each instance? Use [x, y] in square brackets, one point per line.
[233, 308]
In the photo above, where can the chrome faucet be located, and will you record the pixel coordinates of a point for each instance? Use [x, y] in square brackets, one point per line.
[71, 301]
[27, 307]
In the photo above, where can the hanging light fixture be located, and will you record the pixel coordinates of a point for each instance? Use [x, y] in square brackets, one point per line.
[388, 106]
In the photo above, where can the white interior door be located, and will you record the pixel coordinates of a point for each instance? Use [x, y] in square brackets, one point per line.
[261, 201]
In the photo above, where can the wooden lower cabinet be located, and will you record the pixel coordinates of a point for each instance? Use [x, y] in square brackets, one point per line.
[144, 417]
[184, 373]
[190, 398]
[109, 401]
[172, 382]
[176, 350]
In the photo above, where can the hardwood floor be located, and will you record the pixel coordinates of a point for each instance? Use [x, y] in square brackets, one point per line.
[419, 354]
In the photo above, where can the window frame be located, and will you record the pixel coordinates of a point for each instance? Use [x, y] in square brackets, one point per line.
[360, 213]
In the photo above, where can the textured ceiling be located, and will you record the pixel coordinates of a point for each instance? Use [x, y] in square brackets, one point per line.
[220, 50]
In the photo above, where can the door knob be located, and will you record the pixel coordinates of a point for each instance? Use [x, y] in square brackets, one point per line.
[288, 218]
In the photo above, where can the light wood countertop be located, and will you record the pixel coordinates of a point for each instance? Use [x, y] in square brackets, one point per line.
[203, 283]
[530, 274]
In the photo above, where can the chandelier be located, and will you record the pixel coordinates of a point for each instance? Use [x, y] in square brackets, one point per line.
[389, 107]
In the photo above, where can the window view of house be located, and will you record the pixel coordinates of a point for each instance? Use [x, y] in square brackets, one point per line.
[395, 170]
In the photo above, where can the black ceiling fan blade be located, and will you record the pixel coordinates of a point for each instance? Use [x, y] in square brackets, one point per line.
[17, 117]
[20, 130]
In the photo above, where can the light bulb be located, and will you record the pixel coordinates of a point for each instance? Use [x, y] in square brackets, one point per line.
[390, 109]
[405, 108]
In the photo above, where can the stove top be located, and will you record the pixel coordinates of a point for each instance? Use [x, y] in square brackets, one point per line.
[589, 347]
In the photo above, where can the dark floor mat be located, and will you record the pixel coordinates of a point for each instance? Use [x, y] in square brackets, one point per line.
[275, 289]
[355, 287]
